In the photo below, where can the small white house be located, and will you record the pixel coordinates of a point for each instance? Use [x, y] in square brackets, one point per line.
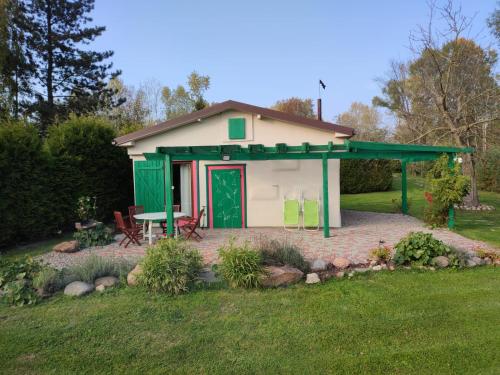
[236, 191]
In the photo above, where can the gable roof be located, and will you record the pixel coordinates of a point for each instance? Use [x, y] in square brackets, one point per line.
[226, 106]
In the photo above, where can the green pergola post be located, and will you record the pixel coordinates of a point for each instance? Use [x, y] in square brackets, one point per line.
[169, 196]
[326, 212]
[404, 188]
[451, 209]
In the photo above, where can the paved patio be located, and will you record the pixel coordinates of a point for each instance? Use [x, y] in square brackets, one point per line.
[360, 233]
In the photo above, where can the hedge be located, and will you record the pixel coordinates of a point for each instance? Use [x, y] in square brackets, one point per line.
[42, 180]
[89, 164]
[365, 176]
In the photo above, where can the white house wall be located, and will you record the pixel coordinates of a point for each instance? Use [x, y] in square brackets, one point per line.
[268, 182]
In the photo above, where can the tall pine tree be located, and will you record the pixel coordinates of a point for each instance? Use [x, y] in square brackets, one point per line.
[16, 64]
[67, 78]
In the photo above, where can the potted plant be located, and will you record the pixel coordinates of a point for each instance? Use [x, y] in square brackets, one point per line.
[85, 210]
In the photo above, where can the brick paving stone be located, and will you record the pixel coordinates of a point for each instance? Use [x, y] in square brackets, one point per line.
[362, 231]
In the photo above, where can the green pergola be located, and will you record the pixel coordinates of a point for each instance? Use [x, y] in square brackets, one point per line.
[306, 151]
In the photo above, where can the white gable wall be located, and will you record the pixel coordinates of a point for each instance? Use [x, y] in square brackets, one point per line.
[268, 182]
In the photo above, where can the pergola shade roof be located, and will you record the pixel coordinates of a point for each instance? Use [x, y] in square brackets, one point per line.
[281, 151]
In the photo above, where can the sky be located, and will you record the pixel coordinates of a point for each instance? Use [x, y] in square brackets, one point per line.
[259, 51]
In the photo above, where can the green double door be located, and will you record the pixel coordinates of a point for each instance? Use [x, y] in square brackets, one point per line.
[227, 198]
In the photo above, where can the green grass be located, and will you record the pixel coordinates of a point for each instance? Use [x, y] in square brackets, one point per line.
[478, 225]
[36, 248]
[406, 322]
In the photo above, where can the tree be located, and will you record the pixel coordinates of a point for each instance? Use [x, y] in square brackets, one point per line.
[132, 113]
[296, 106]
[494, 23]
[181, 101]
[448, 92]
[68, 78]
[366, 120]
[16, 63]
[152, 94]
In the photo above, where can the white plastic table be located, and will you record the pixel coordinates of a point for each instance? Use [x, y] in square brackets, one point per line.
[152, 216]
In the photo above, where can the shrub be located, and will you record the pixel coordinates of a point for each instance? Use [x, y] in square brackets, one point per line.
[16, 280]
[98, 236]
[95, 266]
[170, 266]
[279, 253]
[381, 254]
[365, 176]
[485, 253]
[86, 208]
[240, 266]
[49, 280]
[446, 187]
[457, 258]
[419, 248]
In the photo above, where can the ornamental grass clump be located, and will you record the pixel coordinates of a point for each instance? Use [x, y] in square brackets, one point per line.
[170, 266]
[381, 254]
[49, 280]
[418, 248]
[280, 253]
[96, 266]
[241, 265]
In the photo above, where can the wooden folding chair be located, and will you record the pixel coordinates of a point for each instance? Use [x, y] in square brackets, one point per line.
[130, 233]
[132, 211]
[188, 225]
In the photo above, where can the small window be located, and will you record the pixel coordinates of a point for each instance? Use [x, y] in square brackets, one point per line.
[236, 128]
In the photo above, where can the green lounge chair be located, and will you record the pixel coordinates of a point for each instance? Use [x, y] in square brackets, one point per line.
[291, 213]
[311, 214]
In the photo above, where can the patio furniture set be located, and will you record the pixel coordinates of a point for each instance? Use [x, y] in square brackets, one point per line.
[140, 225]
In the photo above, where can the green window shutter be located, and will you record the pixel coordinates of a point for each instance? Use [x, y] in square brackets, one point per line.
[236, 128]
[149, 184]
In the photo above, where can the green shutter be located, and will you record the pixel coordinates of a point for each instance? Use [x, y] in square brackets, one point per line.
[150, 185]
[236, 128]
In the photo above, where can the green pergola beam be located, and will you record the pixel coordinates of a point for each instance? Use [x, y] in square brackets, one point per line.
[404, 189]
[411, 157]
[169, 196]
[380, 146]
[326, 211]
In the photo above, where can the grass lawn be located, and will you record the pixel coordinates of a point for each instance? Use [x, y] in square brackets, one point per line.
[482, 225]
[443, 322]
[36, 248]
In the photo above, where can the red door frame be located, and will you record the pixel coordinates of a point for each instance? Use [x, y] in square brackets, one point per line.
[239, 167]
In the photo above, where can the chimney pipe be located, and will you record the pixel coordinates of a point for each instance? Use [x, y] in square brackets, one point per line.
[320, 118]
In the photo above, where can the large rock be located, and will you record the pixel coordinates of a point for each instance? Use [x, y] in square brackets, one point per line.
[312, 278]
[66, 247]
[318, 265]
[280, 276]
[106, 281]
[471, 263]
[132, 275]
[208, 276]
[440, 261]
[341, 263]
[78, 288]
[477, 260]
